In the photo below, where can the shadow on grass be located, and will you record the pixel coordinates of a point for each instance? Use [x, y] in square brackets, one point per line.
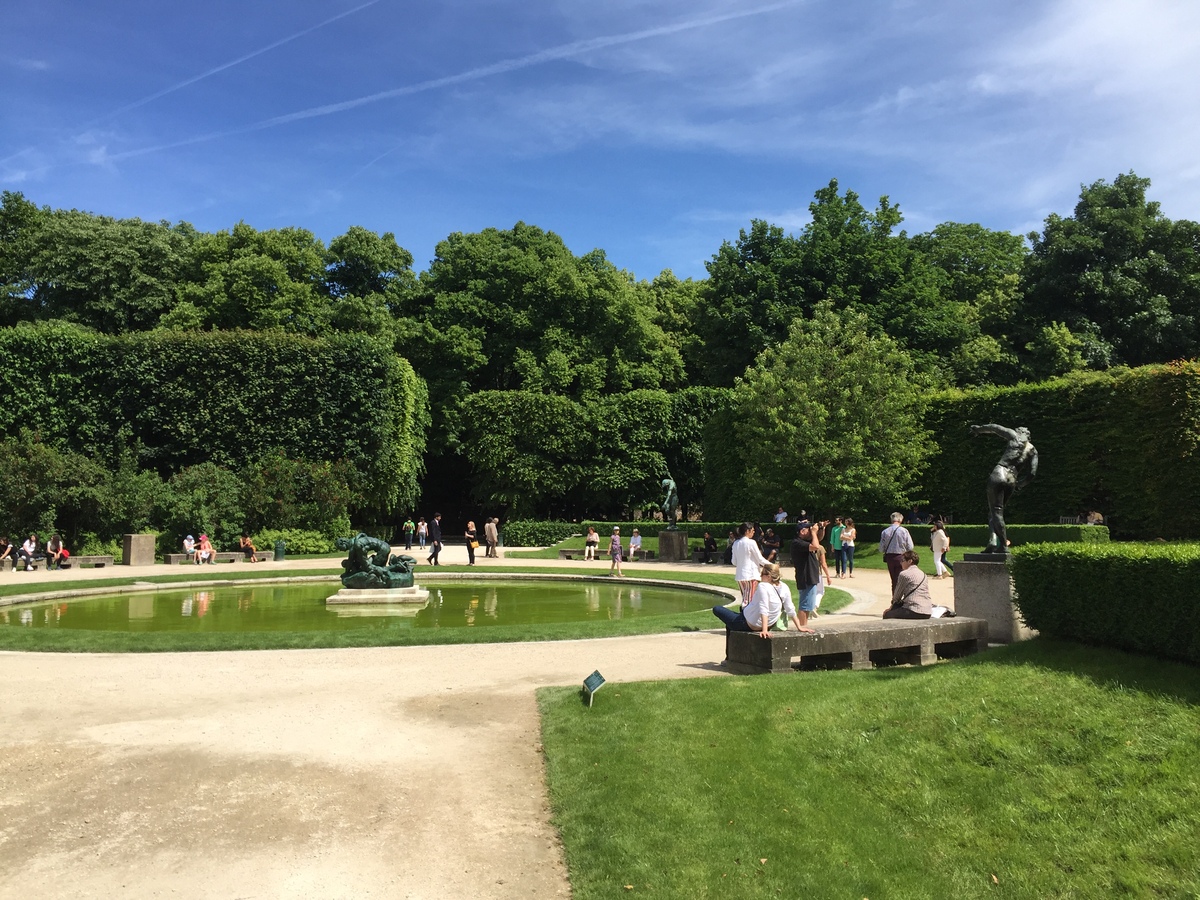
[1103, 666]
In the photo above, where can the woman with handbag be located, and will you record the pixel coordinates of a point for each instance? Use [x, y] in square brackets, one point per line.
[910, 597]
[472, 543]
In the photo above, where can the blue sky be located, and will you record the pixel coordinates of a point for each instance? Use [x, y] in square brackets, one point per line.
[653, 130]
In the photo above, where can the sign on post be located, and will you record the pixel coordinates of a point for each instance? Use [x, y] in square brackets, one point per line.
[591, 684]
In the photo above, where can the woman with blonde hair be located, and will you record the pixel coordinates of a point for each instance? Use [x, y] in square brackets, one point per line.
[772, 599]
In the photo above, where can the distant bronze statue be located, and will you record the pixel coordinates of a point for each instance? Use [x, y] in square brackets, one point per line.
[369, 564]
[1006, 478]
[670, 501]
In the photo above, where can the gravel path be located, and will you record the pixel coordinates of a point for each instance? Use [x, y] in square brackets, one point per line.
[411, 772]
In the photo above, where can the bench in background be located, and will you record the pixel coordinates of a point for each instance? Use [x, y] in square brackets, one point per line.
[172, 559]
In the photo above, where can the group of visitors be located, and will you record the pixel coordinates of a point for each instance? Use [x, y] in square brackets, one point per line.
[766, 600]
[31, 551]
[428, 535]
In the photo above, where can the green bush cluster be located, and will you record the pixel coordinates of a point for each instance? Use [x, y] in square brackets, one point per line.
[1139, 597]
[530, 533]
[296, 540]
[1124, 442]
[47, 490]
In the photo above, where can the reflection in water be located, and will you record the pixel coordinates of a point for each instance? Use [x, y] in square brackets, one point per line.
[297, 608]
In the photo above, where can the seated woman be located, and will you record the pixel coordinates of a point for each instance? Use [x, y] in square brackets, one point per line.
[591, 542]
[635, 545]
[189, 547]
[56, 552]
[247, 548]
[910, 597]
[772, 599]
[30, 550]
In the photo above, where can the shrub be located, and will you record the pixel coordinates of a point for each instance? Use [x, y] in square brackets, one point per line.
[1140, 597]
[531, 533]
[296, 540]
[977, 535]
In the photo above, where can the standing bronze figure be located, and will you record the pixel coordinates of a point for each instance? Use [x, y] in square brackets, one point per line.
[1016, 468]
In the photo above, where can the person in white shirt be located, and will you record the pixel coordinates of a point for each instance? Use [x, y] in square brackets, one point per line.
[635, 545]
[772, 599]
[780, 516]
[748, 562]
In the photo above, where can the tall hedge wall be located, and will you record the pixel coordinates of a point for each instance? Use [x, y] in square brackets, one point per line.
[1123, 442]
[227, 397]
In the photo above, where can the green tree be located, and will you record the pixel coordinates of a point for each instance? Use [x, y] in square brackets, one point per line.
[829, 419]
[1119, 275]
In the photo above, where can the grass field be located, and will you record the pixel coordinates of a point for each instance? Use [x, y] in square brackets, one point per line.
[1039, 770]
[79, 641]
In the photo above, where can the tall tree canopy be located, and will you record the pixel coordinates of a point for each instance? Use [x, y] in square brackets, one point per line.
[828, 419]
[1118, 280]
[516, 310]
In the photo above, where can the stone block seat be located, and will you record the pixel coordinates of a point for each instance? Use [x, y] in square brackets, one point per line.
[81, 561]
[172, 559]
[857, 645]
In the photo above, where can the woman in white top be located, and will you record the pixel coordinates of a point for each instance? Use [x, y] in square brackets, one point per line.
[748, 562]
[939, 543]
[771, 599]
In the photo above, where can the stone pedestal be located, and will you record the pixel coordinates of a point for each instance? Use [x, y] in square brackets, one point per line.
[414, 594]
[672, 546]
[138, 550]
[983, 590]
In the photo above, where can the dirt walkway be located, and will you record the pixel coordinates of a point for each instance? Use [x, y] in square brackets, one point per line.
[409, 772]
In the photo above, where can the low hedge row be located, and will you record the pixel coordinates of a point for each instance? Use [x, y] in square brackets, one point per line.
[1139, 597]
[530, 533]
[977, 535]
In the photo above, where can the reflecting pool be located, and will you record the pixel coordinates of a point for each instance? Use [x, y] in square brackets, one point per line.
[302, 607]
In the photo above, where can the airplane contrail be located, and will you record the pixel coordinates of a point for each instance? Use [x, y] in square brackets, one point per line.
[195, 78]
[229, 65]
[563, 51]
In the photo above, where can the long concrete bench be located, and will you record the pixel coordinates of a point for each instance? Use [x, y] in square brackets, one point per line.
[857, 645]
[172, 559]
[82, 561]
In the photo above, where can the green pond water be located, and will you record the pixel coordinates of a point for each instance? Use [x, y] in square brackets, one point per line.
[302, 607]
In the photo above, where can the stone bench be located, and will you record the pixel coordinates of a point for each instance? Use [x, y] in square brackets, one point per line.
[857, 645]
[568, 553]
[172, 559]
[82, 561]
[715, 555]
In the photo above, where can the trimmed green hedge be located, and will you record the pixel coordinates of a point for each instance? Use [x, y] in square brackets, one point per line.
[1124, 442]
[183, 398]
[1140, 597]
[963, 536]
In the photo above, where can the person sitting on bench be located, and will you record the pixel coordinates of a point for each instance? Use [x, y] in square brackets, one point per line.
[910, 598]
[30, 550]
[635, 545]
[771, 599]
[205, 552]
[710, 547]
[247, 547]
[56, 552]
[8, 551]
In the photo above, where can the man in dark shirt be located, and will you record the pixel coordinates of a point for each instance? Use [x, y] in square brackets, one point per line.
[710, 547]
[435, 539]
[808, 571]
[771, 544]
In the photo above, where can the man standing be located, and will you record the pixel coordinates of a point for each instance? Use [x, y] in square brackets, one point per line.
[435, 539]
[410, 528]
[491, 535]
[893, 543]
[808, 571]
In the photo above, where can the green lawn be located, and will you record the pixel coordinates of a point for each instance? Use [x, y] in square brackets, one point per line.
[79, 641]
[1043, 769]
